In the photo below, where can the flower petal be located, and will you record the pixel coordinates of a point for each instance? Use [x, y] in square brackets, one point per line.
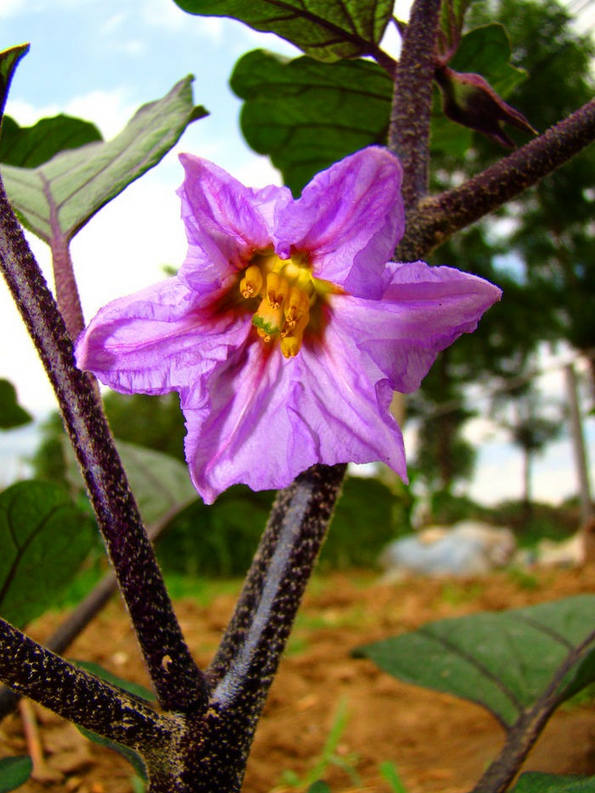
[264, 419]
[423, 310]
[349, 219]
[224, 222]
[345, 410]
[157, 340]
[239, 427]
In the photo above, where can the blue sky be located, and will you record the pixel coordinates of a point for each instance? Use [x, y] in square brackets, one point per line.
[102, 59]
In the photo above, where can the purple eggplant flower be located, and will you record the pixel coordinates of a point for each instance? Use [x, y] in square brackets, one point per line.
[287, 328]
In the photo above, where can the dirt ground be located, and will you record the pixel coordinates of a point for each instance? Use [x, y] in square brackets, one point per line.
[438, 743]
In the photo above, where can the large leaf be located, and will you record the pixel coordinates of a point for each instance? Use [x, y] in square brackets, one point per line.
[325, 29]
[583, 675]
[486, 51]
[535, 782]
[11, 413]
[503, 661]
[58, 197]
[160, 483]
[8, 62]
[44, 538]
[14, 772]
[305, 115]
[29, 147]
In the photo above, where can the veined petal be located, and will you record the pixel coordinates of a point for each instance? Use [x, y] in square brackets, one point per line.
[239, 428]
[349, 220]
[270, 200]
[423, 310]
[263, 419]
[157, 340]
[224, 225]
[347, 412]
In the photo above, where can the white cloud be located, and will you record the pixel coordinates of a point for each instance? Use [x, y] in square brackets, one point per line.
[166, 14]
[133, 47]
[113, 23]
[109, 110]
[10, 8]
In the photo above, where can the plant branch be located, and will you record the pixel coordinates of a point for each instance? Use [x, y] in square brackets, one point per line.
[409, 130]
[526, 730]
[437, 218]
[249, 653]
[179, 683]
[73, 693]
[82, 615]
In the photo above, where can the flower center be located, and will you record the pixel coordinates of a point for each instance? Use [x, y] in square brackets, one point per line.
[287, 292]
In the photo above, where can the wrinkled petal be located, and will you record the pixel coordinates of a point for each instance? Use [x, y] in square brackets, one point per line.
[346, 412]
[156, 340]
[242, 430]
[423, 310]
[224, 225]
[349, 219]
[270, 200]
[265, 419]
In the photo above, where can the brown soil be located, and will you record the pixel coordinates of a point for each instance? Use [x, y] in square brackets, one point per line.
[439, 743]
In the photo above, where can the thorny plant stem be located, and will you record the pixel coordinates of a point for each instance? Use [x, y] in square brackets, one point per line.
[82, 615]
[179, 683]
[437, 218]
[409, 129]
[248, 656]
[36, 672]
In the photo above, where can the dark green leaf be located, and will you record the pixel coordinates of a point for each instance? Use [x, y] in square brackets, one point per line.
[486, 51]
[8, 63]
[535, 782]
[11, 413]
[446, 136]
[362, 525]
[325, 29]
[134, 758]
[29, 147]
[14, 772]
[305, 115]
[44, 538]
[160, 483]
[60, 196]
[502, 661]
[583, 675]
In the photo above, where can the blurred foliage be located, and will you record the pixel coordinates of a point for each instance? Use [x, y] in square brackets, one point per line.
[221, 539]
[538, 249]
[11, 413]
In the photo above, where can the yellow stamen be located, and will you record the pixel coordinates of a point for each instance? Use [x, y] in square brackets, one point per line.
[252, 282]
[297, 306]
[291, 343]
[277, 289]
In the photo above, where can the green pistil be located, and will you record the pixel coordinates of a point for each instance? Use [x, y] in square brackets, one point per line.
[265, 326]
